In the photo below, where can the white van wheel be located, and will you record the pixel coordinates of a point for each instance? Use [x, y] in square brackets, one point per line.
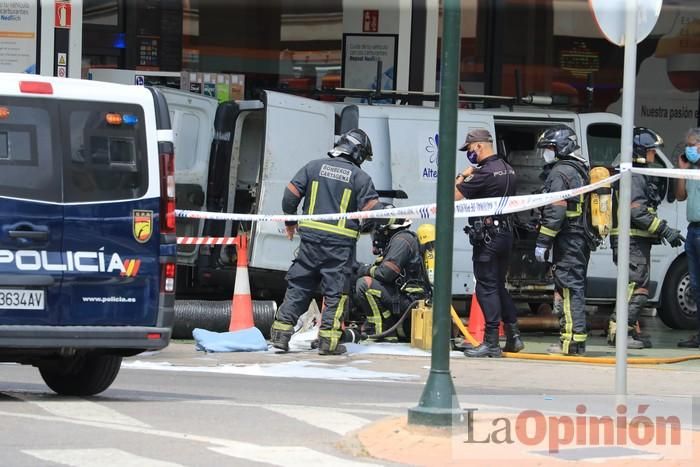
[678, 307]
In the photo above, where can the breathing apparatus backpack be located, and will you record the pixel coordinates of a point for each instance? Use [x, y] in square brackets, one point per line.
[601, 211]
[597, 206]
[426, 240]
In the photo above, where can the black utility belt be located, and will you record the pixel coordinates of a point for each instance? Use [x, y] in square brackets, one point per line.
[496, 224]
[483, 229]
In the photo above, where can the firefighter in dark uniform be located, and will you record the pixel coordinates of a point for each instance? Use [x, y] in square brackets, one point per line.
[563, 229]
[385, 289]
[327, 249]
[492, 241]
[646, 229]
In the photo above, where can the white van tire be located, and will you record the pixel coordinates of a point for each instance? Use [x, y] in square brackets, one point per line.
[678, 307]
[94, 374]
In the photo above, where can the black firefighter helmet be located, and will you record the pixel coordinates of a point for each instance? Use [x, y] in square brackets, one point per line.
[562, 138]
[644, 139]
[355, 145]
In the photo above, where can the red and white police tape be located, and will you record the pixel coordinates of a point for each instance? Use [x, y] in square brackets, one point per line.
[463, 208]
[207, 241]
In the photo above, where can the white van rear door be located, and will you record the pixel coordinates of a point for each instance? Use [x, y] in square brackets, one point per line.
[297, 130]
[192, 118]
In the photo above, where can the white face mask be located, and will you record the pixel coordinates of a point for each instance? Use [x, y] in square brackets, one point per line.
[548, 156]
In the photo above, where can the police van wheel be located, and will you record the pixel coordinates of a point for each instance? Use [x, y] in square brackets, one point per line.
[83, 375]
[678, 306]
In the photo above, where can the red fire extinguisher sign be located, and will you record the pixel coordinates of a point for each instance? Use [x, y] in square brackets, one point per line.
[63, 14]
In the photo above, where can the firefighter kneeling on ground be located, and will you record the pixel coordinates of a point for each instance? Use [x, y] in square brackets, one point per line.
[646, 229]
[385, 289]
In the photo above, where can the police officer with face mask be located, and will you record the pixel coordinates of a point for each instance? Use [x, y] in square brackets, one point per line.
[327, 249]
[492, 241]
[386, 288]
[562, 229]
[646, 230]
[690, 190]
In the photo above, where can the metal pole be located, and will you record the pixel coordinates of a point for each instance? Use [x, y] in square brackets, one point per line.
[623, 252]
[438, 405]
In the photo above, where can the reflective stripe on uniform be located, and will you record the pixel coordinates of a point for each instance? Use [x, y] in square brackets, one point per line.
[339, 311]
[312, 199]
[568, 321]
[578, 210]
[655, 224]
[332, 335]
[344, 202]
[376, 317]
[633, 233]
[339, 228]
[280, 326]
[630, 290]
[330, 228]
[548, 232]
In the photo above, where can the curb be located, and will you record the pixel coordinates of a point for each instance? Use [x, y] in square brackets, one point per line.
[393, 440]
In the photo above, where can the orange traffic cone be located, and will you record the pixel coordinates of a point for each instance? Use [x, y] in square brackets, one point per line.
[477, 324]
[242, 304]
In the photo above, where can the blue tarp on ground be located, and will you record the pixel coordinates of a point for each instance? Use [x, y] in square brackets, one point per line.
[246, 340]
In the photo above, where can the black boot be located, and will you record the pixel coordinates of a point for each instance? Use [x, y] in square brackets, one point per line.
[576, 349]
[488, 348]
[513, 341]
[324, 347]
[693, 342]
[633, 340]
[280, 335]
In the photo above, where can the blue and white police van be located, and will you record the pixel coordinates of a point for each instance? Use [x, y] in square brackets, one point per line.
[87, 227]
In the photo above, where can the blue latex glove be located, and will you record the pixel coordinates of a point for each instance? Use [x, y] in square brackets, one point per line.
[541, 254]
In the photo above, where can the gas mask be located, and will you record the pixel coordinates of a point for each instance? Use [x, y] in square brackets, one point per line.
[691, 153]
[380, 239]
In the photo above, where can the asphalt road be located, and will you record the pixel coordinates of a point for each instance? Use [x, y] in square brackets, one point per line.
[170, 418]
[184, 408]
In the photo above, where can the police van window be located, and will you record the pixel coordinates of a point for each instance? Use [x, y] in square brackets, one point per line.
[108, 154]
[29, 155]
[603, 143]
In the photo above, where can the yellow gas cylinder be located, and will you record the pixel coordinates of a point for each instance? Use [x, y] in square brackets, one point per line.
[601, 202]
[422, 315]
[426, 238]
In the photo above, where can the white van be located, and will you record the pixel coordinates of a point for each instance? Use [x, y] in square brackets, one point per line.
[239, 156]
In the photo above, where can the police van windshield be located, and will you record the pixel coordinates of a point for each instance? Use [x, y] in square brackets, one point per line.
[72, 151]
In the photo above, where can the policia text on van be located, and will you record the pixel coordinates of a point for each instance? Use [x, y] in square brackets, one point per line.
[87, 244]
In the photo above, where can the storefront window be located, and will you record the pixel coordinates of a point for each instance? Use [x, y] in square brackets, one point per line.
[286, 44]
[101, 12]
